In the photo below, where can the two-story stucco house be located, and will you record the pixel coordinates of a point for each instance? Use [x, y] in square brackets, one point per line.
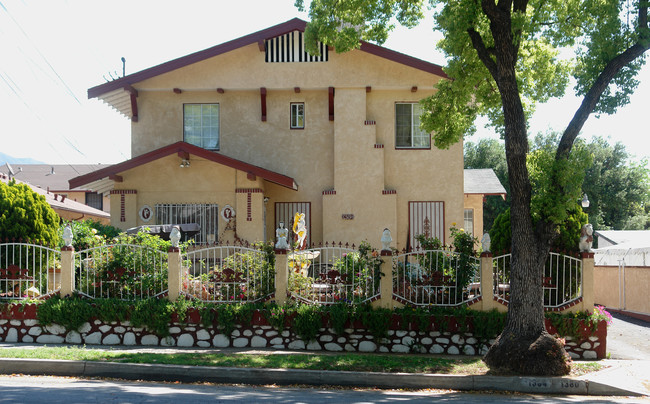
[257, 129]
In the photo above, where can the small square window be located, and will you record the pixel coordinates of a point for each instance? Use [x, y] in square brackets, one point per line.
[201, 125]
[408, 134]
[297, 115]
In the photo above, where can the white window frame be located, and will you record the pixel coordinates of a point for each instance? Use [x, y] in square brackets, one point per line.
[206, 215]
[204, 124]
[296, 113]
[418, 138]
[468, 221]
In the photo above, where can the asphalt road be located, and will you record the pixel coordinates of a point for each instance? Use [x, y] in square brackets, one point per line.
[628, 338]
[47, 389]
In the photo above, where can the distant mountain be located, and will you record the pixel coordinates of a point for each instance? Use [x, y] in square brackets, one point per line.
[5, 158]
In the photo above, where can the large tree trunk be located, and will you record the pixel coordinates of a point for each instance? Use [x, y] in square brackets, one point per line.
[524, 346]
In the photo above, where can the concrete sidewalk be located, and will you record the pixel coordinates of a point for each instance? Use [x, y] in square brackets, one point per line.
[620, 378]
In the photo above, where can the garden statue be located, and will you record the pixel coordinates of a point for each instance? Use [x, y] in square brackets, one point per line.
[175, 236]
[586, 238]
[281, 235]
[300, 230]
[485, 242]
[67, 235]
[386, 239]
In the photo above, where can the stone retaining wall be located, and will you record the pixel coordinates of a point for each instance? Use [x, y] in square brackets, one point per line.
[259, 334]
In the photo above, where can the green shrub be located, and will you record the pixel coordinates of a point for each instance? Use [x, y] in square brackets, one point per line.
[26, 215]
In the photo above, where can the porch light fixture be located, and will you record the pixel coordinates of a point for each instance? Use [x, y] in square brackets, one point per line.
[585, 201]
[185, 163]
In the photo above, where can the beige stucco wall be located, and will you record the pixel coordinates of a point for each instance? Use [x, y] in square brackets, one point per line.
[608, 283]
[337, 155]
[164, 181]
[475, 202]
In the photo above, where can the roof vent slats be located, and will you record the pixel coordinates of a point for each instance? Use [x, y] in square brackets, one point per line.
[290, 47]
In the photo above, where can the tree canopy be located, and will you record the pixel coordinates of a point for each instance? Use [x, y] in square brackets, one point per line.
[26, 215]
[618, 187]
[504, 56]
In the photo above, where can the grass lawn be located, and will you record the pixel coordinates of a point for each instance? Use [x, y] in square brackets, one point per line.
[314, 361]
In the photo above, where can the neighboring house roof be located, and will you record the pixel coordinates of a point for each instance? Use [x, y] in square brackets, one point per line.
[638, 237]
[483, 181]
[61, 203]
[119, 93]
[105, 177]
[54, 177]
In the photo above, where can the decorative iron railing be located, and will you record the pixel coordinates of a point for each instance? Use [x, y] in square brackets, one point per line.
[436, 278]
[329, 275]
[228, 274]
[28, 270]
[121, 271]
[561, 281]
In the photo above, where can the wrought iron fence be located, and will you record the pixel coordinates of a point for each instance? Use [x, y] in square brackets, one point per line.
[436, 277]
[561, 282]
[501, 277]
[122, 271]
[228, 274]
[28, 270]
[328, 275]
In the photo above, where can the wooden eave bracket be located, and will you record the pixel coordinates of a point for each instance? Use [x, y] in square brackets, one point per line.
[261, 45]
[133, 95]
[116, 178]
[263, 102]
[183, 154]
[221, 90]
[330, 91]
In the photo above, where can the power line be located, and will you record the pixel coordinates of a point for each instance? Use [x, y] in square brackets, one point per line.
[69, 90]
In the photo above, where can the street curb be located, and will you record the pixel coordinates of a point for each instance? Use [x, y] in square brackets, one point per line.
[260, 376]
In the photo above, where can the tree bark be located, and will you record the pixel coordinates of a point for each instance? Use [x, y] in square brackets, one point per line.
[524, 347]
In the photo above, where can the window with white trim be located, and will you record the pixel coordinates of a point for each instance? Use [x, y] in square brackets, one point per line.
[201, 125]
[428, 218]
[204, 214]
[408, 134]
[297, 115]
[469, 221]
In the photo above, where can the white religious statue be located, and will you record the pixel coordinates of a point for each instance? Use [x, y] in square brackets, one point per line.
[281, 235]
[485, 242]
[586, 238]
[300, 230]
[175, 236]
[67, 235]
[386, 239]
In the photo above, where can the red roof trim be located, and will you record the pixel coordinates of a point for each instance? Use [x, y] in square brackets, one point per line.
[272, 32]
[181, 147]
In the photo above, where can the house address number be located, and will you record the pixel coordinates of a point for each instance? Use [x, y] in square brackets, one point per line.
[347, 216]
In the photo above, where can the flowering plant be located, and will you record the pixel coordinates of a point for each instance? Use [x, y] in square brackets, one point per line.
[601, 314]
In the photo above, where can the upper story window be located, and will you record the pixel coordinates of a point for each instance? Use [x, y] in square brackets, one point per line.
[201, 125]
[298, 115]
[407, 127]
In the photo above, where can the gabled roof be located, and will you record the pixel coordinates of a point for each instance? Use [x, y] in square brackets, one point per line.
[58, 202]
[54, 177]
[296, 24]
[182, 148]
[482, 181]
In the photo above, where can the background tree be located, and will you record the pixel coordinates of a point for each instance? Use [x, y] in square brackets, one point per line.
[26, 215]
[503, 57]
[617, 187]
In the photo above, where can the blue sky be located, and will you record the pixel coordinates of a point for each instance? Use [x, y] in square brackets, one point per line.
[54, 50]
